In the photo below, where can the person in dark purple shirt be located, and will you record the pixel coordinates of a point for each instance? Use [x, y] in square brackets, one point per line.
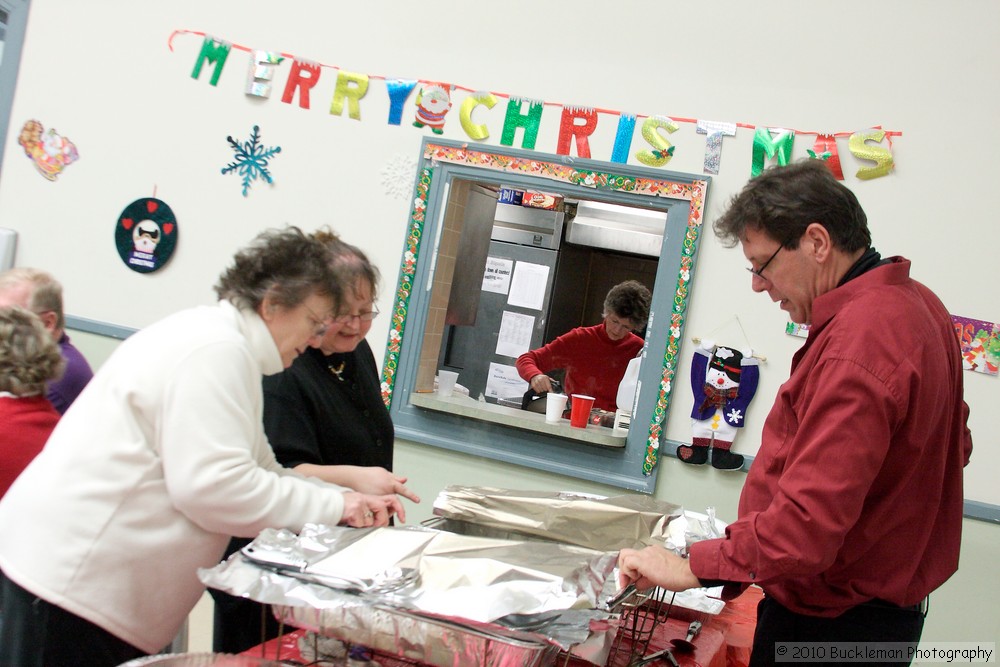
[39, 292]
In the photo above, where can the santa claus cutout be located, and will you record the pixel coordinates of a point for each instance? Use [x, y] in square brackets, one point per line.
[724, 381]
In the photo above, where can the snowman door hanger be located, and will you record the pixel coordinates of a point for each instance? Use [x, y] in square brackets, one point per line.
[724, 381]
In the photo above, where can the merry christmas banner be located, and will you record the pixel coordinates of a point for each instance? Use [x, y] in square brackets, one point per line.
[432, 104]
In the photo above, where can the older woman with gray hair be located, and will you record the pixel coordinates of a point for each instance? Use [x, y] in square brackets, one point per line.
[162, 458]
[595, 357]
[29, 358]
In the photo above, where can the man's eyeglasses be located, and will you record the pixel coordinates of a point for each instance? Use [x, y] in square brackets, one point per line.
[320, 325]
[366, 316]
[760, 272]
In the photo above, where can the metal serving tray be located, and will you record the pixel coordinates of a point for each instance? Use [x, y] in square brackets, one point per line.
[419, 638]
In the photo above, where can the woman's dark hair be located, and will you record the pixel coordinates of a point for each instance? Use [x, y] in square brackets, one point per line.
[783, 201]
[349, 262]
[629, 300]
[284, 264]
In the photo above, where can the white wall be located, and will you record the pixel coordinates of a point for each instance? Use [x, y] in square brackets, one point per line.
[102, 74]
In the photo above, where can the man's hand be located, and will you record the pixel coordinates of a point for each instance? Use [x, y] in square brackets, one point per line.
[363, 511]
[655, 566]
[541, 383]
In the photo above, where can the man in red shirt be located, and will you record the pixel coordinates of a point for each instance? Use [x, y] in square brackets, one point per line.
[851, 513]
[595, 357]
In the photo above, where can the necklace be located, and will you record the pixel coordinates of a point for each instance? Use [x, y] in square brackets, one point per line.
[337, 370]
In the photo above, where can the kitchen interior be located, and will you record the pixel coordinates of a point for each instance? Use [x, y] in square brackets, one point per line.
[528, 267]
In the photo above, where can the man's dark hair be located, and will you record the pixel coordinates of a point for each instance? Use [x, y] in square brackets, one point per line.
[783, 201]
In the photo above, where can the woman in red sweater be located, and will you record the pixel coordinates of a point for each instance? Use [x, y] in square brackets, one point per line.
[594, 357]
[29, 358]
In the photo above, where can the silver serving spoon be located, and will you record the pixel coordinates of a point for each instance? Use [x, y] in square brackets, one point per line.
[685, 645]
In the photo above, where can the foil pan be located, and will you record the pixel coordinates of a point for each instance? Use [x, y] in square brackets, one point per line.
[430, 641]
[617, 522]
[426, 594]
[594, 522]
[200, 660]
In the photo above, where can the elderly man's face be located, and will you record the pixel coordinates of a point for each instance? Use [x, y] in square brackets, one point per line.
[788, 276]
[15, 295]
[20, 295]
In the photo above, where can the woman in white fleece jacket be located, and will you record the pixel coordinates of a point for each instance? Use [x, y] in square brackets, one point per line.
[159, 461]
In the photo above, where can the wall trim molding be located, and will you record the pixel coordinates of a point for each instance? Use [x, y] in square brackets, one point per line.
[973, 509]
[99, 328]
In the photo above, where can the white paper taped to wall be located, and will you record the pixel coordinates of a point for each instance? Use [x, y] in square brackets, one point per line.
[515, 334]
[527, 288]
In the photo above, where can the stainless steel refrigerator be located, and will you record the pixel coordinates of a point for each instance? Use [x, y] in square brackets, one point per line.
[502, 308]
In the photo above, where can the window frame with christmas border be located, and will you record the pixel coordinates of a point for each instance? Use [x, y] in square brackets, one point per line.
[681, 196]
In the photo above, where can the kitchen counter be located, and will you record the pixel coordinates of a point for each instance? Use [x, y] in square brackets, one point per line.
[459, 404]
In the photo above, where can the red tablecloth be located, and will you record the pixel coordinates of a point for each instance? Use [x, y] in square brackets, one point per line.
[724, 641]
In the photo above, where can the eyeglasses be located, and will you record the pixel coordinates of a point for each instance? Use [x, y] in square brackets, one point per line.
[760, 272]
[366, 316]
[320, 325]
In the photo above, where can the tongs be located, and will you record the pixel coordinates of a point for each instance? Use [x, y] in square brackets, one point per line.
[283, 561]
[387, 582]
[620, 597]
[658, 655]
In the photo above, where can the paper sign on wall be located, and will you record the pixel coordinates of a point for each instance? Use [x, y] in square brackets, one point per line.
[515, 334]
[496, 277]
[527, 287]
[504, 382]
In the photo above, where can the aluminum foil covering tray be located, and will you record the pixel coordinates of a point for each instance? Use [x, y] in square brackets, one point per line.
[594, 522]
[427, 595]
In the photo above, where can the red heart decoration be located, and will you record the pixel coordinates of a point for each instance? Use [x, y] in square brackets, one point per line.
[127, 223]
[168, 227]
[151, 205]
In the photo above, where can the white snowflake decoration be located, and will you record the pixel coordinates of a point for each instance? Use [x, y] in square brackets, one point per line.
[398, 175]
[735, 416]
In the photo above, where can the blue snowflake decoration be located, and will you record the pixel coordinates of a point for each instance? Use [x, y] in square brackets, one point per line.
[251, 160]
